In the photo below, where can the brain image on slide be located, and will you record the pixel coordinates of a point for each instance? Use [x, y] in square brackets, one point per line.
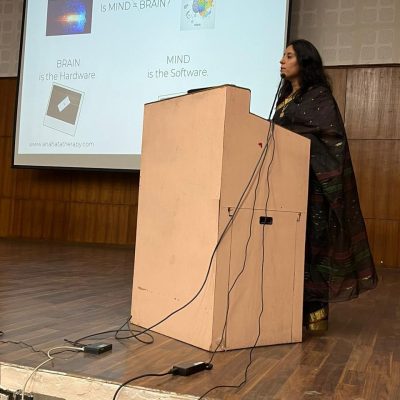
[69, 17]
[63, 109]
[203, 7]
[198, 14]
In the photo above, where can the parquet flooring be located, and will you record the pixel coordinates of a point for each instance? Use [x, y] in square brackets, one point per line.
[51, 291]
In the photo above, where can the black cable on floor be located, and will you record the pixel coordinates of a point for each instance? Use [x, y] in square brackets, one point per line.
[20, 342]
[139, 377]
[133, 334]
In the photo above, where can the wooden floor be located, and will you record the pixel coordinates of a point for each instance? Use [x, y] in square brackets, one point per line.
[49, 292]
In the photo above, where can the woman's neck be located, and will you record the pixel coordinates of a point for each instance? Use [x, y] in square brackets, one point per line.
[295, 85]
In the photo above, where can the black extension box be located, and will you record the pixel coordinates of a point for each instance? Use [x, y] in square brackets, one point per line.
[97, 348]
[186, 369]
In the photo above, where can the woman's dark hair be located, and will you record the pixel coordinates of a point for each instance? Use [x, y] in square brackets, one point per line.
[311, 69]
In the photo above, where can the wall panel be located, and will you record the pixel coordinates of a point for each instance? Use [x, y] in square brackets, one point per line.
[373, 103]
[349, 32]
[98, 223]
[132, 221]
[373, 127]
[28, 218]
[8, 90]
[43, 185]
[377, 167]
[338, 78]
[7, 175]
[39, 219]
[104, 187]
[384, 238]
[6, 208]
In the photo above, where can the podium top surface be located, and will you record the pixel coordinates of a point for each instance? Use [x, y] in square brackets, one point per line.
[193, 91]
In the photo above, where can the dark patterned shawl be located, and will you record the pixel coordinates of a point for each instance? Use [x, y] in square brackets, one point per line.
[338, 263]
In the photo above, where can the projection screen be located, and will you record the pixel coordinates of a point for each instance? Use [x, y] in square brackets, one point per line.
[87, 68]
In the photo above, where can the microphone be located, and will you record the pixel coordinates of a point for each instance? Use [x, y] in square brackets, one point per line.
[283, 76]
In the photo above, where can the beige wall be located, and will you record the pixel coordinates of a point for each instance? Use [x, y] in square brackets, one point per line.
[350, 32]
[10, 28]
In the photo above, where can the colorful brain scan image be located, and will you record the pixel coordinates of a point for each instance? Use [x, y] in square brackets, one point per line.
[202, 7]
[198, 14]
[69, 17]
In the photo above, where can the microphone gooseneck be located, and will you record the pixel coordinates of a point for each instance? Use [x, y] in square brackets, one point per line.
[276, 98]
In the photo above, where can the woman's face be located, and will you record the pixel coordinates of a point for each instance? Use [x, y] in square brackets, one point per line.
[289, 65]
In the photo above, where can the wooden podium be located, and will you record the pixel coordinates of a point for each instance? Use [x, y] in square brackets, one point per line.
[198, 153]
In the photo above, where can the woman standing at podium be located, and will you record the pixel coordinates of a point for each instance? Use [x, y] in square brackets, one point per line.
[338, 261]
